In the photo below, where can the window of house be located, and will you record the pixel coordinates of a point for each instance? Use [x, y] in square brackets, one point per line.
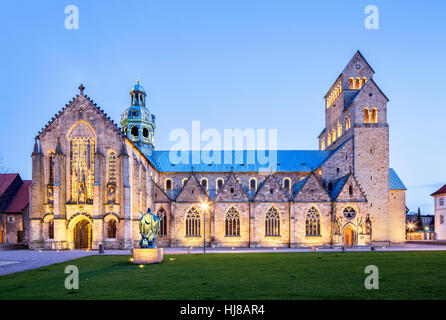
[204, 183]
[442, 219]
[11, 219]
[168, 184]
[441, 201]
[253, 184]
[220, 182]
[193, 222]
[232, 222]
[313, 222]
[163, 222]
[272, 222]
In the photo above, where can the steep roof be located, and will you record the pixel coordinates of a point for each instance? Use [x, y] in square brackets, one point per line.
[442, 190]
[21, 199]
[287, 161]
[338, 185]
[5, 181]
[395, 182]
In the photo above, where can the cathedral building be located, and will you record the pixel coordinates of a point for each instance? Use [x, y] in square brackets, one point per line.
[92, 178]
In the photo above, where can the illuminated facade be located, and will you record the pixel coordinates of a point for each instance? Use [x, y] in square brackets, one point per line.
[91, 180]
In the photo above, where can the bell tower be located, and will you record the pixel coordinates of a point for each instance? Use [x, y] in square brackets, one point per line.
[137, 122]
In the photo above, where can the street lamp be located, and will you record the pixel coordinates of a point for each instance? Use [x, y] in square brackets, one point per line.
[204, 208]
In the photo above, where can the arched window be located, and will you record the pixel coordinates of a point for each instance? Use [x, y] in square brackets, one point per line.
[220, 183]
[323, 144]
[313, 222]
[328, 138]
[193, 222]
[145, 133]
[272, 222]
[51, 162]
[82, 151]
[350, 190]
[112, 167]
[374, 115]
[134, 131]
[366, 115]
[51, 229]
[168, 184]
[358, 83]
[339, 128]
[111, 230]
[204, 183]
[232, 222]
[349, 212]
[253, 184]
[351, 83]
[163, 222]
[333, 134]
[287, 184]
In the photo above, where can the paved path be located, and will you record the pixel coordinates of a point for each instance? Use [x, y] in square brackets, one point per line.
[12, 261]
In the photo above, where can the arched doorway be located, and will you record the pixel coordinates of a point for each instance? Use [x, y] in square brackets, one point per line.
[82, 235]
[349, 236]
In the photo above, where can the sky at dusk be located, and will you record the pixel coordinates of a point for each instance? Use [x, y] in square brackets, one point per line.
[229, 64]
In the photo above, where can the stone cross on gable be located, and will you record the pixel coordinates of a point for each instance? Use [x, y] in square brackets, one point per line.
[81, 89]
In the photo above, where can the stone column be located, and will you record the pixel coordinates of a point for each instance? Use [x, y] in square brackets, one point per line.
[125, 198]
[252, 228]
[292, 226]
[98, 201]
[60, 234]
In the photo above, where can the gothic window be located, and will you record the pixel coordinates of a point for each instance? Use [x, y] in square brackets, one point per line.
[82, 151]
[51, 229]
[374, 115]
[51, 162]
[168, 185]
[193, 222]
[112, 167]
[287, 184]
[313, 222]
[145, 133]
[163, 222]
[253, 184]
[111, 229]
[134, 131]
[366, 115]
[232, 222]
[349, 212]
[204, 183]
[220, 182]
[272, 222]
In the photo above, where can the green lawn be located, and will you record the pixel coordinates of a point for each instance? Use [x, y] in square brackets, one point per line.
[403, 275]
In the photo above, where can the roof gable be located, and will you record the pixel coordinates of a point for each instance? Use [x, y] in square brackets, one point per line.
[21, 199]
[158, 194]
[358, 57]
[192, 191]
[238, 194]
[270, 191]
[347, 189]
[311, 190]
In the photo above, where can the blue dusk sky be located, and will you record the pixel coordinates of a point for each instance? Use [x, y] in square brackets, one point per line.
[229, 64]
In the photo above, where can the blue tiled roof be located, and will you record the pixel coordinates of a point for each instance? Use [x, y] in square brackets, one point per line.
[198, 161]
[395, 182]
[337, 186]
[297, 186]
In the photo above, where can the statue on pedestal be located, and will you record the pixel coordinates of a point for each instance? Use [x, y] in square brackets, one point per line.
[149, 226]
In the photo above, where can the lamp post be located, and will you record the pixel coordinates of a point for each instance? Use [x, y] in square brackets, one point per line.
[204, 207]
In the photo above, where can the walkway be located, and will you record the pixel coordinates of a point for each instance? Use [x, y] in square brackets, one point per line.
[12, 261]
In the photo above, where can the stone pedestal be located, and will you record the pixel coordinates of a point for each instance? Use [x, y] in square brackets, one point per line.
[147, 256]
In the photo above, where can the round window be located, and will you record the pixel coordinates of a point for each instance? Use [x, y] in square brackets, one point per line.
[349, 212]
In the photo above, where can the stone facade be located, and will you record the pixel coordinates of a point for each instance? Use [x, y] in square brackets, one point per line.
[91, 181]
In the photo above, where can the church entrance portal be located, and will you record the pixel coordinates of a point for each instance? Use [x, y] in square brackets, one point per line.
[349, 236]
[82, 235]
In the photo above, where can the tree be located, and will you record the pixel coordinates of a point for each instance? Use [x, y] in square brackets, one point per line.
[419, 220]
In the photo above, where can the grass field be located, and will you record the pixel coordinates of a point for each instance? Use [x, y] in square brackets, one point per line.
[403, 275]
